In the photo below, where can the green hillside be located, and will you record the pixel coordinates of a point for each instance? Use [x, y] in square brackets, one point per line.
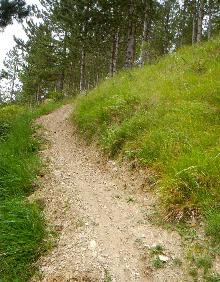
[167, 116]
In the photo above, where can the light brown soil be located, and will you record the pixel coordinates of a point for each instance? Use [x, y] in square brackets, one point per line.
[104, 233]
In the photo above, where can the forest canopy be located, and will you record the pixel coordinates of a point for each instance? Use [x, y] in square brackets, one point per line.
[76, 44]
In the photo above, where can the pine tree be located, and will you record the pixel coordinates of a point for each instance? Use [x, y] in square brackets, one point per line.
[10, 10]
[40, 74]
[10, 73]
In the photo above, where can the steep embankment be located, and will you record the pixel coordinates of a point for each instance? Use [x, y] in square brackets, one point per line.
[167, 117]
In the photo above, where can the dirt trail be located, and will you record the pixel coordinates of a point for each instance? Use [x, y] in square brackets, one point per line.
[103, 231]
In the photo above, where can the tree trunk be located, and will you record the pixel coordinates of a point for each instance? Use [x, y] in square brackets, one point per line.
[38, 95]
[97, 79]
[194, 27]
[82, 87]
[144, 39]
[130, 53]
[182, 30]
[60, 84]
[13, 82]
[115, 51]
[200, 20]
[1, 98]
[166, 26]
[210, 20]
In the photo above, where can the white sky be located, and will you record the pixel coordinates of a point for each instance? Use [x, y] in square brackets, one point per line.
[6, 37]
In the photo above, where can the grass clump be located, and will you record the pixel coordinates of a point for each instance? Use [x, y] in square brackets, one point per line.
[203, 262]
[167, 116]
[22, 232]
[22, 229]
[157, 263]
[7, 115]
[213, 227]
[213, 277]
[19, 162]
[202, 268]
[157, 249]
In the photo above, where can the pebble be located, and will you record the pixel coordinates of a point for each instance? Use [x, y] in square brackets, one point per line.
[92, 245]
[163, 258]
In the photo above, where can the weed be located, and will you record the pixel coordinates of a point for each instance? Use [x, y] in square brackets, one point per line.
[130, 199]
[158, 249]
[157, 263]
[189, 234]
[193, 272]
[108, 277]
[80, 223]
[201, 260]
[141, 222]
[204, 262]
[213, 277]
[213, 225]
[177, 262]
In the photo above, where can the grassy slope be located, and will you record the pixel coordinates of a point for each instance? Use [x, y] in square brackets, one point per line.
[168, 117]
[22, 227]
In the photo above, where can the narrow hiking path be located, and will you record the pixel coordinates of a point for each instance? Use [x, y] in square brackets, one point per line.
[104, 234]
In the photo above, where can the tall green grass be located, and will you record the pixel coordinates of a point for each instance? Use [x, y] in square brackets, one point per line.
[19, 161]
[22, 228]
[21, 239]
[167, 116]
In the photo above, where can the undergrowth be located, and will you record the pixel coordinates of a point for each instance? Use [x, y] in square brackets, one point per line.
[167, 117]
[22, 228]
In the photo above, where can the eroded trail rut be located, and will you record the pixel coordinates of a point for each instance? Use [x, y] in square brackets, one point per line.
[103, 231]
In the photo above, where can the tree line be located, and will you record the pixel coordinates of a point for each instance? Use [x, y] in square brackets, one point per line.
[78, 43]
